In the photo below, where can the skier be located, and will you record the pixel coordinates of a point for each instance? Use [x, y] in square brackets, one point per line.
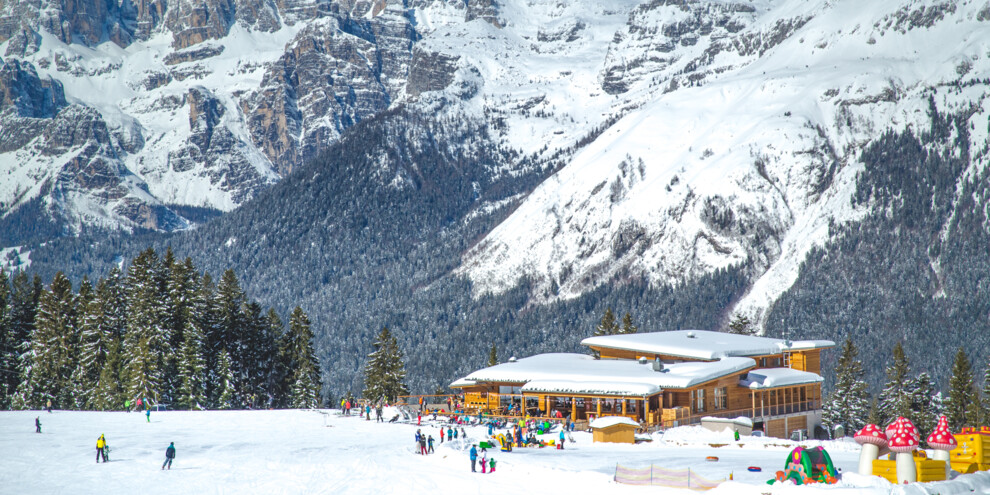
[37, 424]
[474, 457]
[491, 465]
[169, 455]
[101, 449]
[429, 442]
[342, 409]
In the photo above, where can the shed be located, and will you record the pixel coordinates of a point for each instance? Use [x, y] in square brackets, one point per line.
[615, 429]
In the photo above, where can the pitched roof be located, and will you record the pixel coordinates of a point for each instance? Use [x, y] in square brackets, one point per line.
[580, 373]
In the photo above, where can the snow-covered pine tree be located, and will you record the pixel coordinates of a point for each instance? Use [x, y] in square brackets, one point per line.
[259, 355]
[627, 325]
[8, 349]
[108, 312]
[895, 398]
[179, 288]
[192, 373]
[924, 413]
[232, 328]
[54, 346]
[961, 396]
[146, 337]
[741, 325]
[305, 374]
[225, 382]
[986, 393]
[849, 403]
[25, 295]
[86, 371]
[385, 372]
[493, 355]
[271, 366]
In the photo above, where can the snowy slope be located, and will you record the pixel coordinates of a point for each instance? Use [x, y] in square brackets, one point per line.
[321, 452]
[744, 154]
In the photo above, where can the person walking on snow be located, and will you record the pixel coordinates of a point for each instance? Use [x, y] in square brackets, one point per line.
[101, 445]
[49, 404]
[441, 434]
[147, 413]
[378, 413]
[429, 442]
[169, 455]
[37, 424]
[367, 411]
[474, 457]
[422, 444]
[484, 463]
[491, 465]
[561, 444]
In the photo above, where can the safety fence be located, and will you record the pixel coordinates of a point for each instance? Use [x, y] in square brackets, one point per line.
[658, 476]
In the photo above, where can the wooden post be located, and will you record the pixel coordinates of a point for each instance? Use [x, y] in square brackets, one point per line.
[573, 409]
[623, 406]
[598, 408]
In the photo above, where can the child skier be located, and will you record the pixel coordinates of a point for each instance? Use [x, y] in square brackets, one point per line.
[491, 465]
[484, 464]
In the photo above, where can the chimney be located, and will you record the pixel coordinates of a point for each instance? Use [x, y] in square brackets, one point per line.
[657, 365]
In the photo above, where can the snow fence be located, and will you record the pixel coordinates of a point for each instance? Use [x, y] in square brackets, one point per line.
[658, 476]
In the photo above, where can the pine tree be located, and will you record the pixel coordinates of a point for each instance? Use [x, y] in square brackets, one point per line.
[627, 325]
[146, 337]
[385, 373]
[225, 383]
[493, 356]
[106, 316]
[740, 325]
[232, 328]
[192, 371]
[8, 348]
[53, 347]
[272, 368]
[24, 298]
[90, 354]
[849, 403]
[179, 289]
[608, 325]
[305, 374]
[895, 398]
[924, 413]
[961, 400]
[986, 394]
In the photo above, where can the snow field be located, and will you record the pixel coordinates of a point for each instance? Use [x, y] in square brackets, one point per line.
[322, 452]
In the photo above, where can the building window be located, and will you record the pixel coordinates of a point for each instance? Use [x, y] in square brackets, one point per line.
[721, 397]
[698, 397]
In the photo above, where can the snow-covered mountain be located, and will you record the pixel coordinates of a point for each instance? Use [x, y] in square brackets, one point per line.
[688, 136]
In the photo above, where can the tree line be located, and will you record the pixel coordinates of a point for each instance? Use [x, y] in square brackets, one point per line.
[916, 397]
[163, 332]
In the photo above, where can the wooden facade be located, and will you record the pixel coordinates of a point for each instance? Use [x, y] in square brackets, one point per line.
[620, 433]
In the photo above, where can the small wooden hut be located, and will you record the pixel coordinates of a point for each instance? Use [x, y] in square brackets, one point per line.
[614, 429]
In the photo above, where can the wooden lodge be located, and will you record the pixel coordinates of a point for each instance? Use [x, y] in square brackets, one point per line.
[662, 379]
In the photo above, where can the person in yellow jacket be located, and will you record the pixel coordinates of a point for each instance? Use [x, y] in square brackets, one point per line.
[101, 448]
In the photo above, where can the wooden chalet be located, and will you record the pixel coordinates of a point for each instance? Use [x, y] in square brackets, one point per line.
[662, 379]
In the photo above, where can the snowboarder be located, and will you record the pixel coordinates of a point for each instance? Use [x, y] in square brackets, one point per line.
[37, 424]
[474, 457]
[101, 449]
[491, 465]
[169, 455]
[429, 442]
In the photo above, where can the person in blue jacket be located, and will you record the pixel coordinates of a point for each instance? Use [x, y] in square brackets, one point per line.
[474, 457]
[561, 447]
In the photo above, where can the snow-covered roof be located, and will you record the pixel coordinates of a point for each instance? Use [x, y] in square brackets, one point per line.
[777, 377]
[564, 372]
[741, 420]
[606, 421]
[702, 344]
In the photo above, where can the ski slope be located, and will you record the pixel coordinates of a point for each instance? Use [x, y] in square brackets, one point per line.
[322, 452]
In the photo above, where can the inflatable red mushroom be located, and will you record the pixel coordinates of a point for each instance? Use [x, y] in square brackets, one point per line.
[942, 441]
[873, 441]
[904, 442]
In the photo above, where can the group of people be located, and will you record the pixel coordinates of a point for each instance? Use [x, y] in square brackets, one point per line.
[347, 404]
[425, 442]
[103, 452]
[490, 463]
